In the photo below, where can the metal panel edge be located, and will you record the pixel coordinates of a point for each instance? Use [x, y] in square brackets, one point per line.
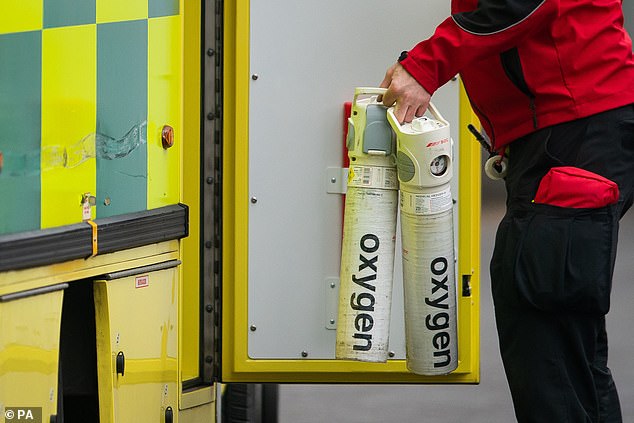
[469, 270]
[235, 180]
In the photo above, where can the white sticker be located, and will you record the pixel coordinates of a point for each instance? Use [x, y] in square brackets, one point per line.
[372, 177]
[85, 210]
[424, 204]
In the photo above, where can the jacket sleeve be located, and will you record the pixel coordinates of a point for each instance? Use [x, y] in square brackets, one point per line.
[466, 37]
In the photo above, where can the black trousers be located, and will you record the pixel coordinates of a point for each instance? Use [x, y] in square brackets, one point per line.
[551, 273]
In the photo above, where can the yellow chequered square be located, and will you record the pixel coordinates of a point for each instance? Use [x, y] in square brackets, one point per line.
[121, 10]
[20, 15]
[69, 111]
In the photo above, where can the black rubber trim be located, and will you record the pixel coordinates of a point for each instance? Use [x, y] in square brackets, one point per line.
[170, 264]
[56, 245]
[32, 292]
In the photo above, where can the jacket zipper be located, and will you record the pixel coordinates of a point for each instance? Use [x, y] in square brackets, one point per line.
[533, 111]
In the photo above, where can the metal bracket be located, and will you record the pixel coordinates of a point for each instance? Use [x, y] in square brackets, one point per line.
[336, 180]
[332, 302]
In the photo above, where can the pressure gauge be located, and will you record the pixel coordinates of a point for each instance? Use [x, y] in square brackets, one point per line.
[438, 165]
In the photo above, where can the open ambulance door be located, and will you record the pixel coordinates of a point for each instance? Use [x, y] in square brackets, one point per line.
[287, 68]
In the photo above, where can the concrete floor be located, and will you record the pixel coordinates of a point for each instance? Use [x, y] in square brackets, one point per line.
[490, 401]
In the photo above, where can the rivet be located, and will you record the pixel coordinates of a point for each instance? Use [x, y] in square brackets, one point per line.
[254, 200]
[210, 52]
[106, 201]
[210, 180]
[333, 180]
[304, 353]
[332, 321]
[253, 328]
[332, 284]
[255, 76]
[391, 354]
[209, 359]
[209, 308]
[211, 116]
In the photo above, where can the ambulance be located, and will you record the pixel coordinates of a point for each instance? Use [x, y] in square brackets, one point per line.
[173, 176]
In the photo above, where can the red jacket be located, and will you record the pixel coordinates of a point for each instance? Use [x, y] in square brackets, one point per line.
[528, 64]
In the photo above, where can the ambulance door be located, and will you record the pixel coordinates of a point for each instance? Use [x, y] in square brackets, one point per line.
[136, 315]
[287, 70]
[29, 352]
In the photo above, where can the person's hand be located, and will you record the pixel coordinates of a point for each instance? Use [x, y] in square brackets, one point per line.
[410, 97]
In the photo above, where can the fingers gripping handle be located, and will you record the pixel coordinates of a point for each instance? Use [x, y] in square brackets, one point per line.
[360, 91]
[431, 108]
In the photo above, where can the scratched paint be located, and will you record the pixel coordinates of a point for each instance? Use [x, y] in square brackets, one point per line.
[57, 156]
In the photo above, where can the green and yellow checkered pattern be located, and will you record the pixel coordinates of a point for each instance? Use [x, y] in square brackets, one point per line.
[86, 87]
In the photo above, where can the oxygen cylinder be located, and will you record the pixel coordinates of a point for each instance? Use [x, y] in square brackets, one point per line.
[369, 233]
[424, 163]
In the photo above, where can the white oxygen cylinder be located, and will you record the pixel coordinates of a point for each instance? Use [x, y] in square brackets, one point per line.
[425, 167]
[369, 233]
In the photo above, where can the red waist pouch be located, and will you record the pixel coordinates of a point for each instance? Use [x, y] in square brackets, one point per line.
[568, 186]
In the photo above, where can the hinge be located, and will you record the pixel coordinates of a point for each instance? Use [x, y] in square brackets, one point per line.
[211, 192]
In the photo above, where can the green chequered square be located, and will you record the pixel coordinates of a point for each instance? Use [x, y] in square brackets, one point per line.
[69, 12]
[158, 8]
[121, 142]
[20, 122]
